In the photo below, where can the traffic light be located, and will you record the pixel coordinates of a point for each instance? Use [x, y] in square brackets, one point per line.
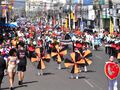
[110, 4]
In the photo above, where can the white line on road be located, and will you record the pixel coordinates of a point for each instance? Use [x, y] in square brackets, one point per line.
[96, 85]
[99, 57]
[88, 83]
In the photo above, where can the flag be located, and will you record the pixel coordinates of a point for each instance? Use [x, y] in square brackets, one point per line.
[87, 2]
[111, 27]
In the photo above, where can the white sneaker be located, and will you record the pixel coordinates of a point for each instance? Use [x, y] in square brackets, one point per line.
[38, 73]
[59, 67]
[85, 68]
[77, 77]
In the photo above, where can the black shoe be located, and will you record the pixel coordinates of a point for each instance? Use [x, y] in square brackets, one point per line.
[20, 83]
[11, 88]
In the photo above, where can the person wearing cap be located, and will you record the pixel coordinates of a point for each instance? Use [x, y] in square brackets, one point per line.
[112, 84]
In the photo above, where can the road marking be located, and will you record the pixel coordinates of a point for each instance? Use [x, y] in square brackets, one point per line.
[96, 85]
[99, 57]
[88, 83]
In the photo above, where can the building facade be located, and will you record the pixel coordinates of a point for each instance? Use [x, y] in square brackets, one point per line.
[37, 6]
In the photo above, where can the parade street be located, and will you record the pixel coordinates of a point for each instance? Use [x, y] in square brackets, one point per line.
[54, 79]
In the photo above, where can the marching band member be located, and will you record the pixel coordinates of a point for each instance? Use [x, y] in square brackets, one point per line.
[78, 45]
[110, 70]
[31, 49]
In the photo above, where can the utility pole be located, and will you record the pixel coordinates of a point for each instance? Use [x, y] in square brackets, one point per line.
[0, 9]
[114, 17]
[98, 12]
[70, 17]
[81, 15]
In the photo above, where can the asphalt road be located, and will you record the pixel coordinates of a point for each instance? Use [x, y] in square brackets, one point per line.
[55, 79]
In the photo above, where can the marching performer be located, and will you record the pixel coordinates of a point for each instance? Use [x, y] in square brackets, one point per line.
[31, 49]
[112, 71]
[86, 53]
[78, 45]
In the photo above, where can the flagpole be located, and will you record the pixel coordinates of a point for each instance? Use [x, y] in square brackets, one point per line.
[70, 15]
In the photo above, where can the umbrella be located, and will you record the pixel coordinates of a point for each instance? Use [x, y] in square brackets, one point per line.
[11, 25]
[58, 52]
[40, 58]
[74, 62]
[85, 57]
[14, 23]
[36, 55]
[41, 64]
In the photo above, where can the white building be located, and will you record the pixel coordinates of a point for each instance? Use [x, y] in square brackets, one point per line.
[41, 5]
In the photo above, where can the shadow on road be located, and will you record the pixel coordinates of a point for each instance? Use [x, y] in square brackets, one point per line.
[14, 87]
[45, 74]
[4, 88]
[65, 68]
[20, 86]
[30, 82]
[89, 71]
[80, 77]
